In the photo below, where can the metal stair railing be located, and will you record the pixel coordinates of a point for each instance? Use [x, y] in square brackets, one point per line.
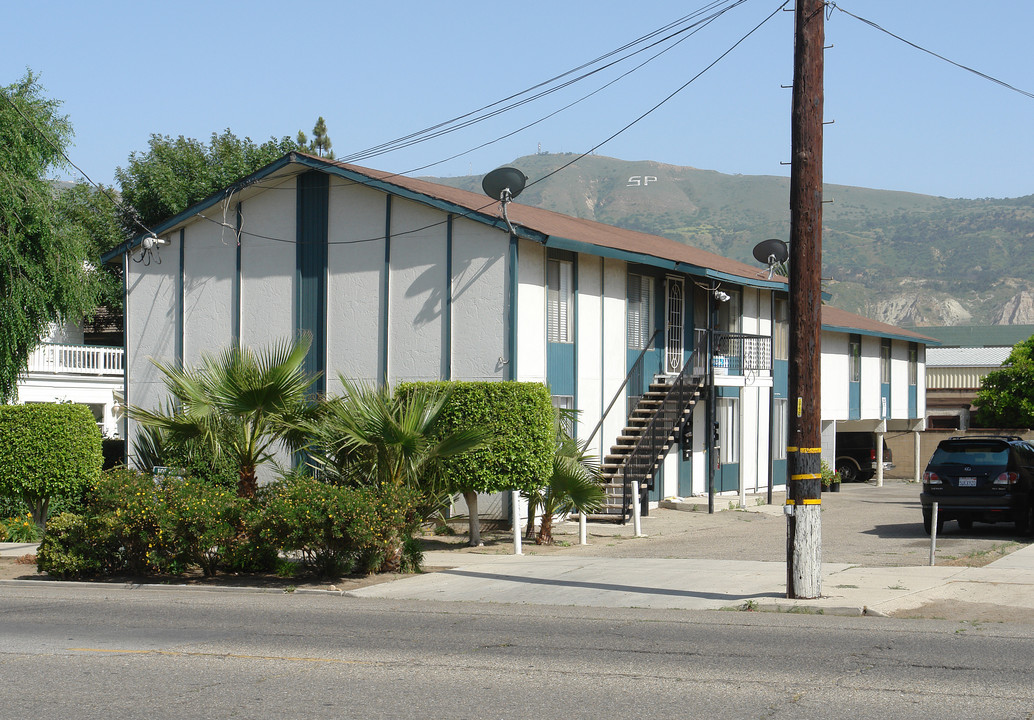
[637, 373]
[650, 446]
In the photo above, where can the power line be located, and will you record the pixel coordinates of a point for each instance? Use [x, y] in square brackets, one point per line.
[553, 172]
[477, 115]
[985, 76]
[665, 100]
[60, 150]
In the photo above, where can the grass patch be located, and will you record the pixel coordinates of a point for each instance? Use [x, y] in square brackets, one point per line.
[980, 558]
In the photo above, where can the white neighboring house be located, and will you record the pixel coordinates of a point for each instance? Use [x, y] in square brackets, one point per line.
[65, 369]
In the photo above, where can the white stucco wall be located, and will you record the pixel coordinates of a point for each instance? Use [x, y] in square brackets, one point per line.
[531, 312]
[151, 327]
[267, 267]
[416, 293]
[871, 407]
[834, 369]
[614, 359]
[590, 342]
[209, 277]
[899, 379]
[479, 301]
[355, 261]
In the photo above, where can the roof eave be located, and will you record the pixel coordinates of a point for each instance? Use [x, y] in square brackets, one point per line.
[165, 226]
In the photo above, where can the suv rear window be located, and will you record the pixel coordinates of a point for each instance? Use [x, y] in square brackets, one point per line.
[971, 454]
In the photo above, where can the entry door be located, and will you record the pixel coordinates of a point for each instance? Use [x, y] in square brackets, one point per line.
[728, 412]
[674, 327]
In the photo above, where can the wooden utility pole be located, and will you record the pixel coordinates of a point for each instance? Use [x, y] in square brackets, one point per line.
[804, 494]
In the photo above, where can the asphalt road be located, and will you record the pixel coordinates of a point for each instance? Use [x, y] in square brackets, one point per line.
[118, 652]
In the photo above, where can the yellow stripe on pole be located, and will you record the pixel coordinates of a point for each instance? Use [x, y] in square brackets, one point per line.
[808, 476]
[814, 451]
[789, 501]
[811, 501]
[791, 449]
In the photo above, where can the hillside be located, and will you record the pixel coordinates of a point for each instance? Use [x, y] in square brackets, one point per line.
[902, 258]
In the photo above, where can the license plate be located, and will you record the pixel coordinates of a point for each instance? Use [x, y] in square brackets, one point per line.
[967, 482]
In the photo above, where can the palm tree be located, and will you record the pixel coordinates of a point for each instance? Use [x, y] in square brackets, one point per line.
[239, 403]
[370, 435]
[573, 485]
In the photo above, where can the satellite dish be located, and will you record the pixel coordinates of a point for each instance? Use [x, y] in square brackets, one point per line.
[504, 183]
[771, 252]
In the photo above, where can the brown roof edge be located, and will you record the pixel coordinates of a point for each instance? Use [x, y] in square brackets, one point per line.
[838, 318]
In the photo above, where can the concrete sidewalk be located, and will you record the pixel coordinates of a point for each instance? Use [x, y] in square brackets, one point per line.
[9, 549]
[706, 584]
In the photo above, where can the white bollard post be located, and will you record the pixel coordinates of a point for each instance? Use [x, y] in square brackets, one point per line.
[879, 459]
[516, 523]
[637, 519]
[933, 536]
[581, 530]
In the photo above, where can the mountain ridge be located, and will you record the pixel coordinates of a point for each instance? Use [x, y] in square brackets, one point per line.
[895, 256]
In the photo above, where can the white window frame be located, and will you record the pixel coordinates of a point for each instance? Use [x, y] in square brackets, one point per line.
[728, 412]
[640, 311]
[559, 300]
[780, 425]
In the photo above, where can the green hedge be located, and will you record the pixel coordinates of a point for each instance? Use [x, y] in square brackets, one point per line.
[520, 414]
[134, 523]
[48, 451]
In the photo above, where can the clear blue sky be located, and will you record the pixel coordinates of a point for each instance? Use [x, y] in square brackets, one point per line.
[903, 120]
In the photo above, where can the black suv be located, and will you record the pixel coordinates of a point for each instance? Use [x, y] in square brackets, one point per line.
[989, 479]
[856, 456]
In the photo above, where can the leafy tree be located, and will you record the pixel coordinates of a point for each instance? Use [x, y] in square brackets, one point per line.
[176, 173]
[48, 451]
[240, 404]
[1006, 396]
[320, 140]
[45, 274]
[520, 417]
[92, 213]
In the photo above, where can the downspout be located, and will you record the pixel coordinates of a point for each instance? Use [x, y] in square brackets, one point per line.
[709, 430]
[772, 440]
[511, 360]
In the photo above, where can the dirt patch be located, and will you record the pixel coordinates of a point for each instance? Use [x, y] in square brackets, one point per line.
[24, 568]
[967, 612]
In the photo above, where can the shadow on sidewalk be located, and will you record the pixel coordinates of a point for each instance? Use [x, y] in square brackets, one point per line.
[609, 587]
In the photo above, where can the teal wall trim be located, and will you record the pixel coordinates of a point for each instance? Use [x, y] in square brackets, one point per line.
[447, 305]
[385, 288]
[181, 302]
[312, 215]
[238, 284]
[511, 358]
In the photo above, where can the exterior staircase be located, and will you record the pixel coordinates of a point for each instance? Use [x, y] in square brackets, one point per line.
[652, 428]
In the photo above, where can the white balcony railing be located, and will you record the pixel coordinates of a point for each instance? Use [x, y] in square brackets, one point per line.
[76, 360]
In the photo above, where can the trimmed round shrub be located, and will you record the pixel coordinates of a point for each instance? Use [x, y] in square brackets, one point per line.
[48, 451]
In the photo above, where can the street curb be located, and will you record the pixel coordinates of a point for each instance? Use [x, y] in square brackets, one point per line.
[151, 586]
